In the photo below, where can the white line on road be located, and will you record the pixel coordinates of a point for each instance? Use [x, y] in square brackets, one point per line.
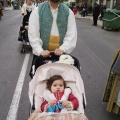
[12, 114]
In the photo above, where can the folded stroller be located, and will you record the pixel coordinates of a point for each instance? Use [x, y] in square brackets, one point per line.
[71, 75]
[23, 37]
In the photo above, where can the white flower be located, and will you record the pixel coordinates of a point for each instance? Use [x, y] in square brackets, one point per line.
[66, 59]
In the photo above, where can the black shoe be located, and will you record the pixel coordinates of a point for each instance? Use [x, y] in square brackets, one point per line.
[94, 25]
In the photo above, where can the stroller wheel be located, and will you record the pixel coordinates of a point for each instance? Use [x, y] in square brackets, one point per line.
[19, 39]
[32, 109]
[22, 50]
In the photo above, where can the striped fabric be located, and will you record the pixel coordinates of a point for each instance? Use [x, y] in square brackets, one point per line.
[69, 116]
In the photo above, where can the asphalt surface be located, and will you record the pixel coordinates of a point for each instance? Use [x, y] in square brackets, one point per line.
[11, 61]
[95, 51]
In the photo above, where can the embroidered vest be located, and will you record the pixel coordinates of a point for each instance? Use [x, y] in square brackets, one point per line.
[46, 20]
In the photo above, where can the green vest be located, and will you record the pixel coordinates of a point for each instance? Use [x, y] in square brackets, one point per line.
[46, 20]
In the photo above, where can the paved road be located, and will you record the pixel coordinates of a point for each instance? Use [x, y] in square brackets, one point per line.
[11, 61]
[95, 50]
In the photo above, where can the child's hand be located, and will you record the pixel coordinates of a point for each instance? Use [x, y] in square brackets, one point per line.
[52, 103]
[65, 104]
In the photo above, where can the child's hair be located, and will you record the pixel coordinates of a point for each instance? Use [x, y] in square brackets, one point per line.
[52, 79]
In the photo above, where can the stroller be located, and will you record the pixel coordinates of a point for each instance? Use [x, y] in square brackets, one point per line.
[23, 37]
[23, 33]
[71, 75]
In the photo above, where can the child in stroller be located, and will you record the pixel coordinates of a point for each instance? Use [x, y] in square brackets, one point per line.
[63, 96]
[27, 8]
[74, 101]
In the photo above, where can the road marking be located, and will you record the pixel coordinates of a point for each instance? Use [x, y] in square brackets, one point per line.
[12, 114]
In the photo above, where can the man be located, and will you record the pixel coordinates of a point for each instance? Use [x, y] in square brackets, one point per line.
[52, 27]
[55, 43]
[26, 9]
[96, 12]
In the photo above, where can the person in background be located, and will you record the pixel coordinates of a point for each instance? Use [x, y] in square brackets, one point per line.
[27, 8]
[102, 9]
[89, 10]
[1, 12]
[75, 10]
[22, 2]
[96, 13]
[56, 30]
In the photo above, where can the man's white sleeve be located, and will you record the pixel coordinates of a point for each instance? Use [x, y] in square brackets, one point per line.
[34, 34]
[69, 42]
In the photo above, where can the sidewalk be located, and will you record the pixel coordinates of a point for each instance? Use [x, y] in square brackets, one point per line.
[90, 17]
[8, 8]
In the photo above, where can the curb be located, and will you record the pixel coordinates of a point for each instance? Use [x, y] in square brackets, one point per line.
[89, 18]
[7, 9]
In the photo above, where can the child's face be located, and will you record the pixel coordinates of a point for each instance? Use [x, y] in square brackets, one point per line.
[57, 85]
[29, 2]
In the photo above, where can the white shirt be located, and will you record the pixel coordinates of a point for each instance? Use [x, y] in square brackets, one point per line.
[27, 7]
[69, 41]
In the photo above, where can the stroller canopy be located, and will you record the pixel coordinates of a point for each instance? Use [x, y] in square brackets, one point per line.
[70, 74]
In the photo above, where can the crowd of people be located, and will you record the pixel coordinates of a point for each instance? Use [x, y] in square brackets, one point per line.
[97, 10]
[84, 9]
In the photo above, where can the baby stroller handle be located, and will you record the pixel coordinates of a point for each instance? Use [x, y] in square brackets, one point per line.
[40, 60]
[52, 57]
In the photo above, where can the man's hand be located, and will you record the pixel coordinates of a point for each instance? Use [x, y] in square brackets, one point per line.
[45, 53]
[58, 52]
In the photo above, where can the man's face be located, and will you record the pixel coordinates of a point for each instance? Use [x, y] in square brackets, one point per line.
[55, 1]
[39, 1]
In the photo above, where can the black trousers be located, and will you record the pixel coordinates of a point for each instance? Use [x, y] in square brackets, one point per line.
[95, 19]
